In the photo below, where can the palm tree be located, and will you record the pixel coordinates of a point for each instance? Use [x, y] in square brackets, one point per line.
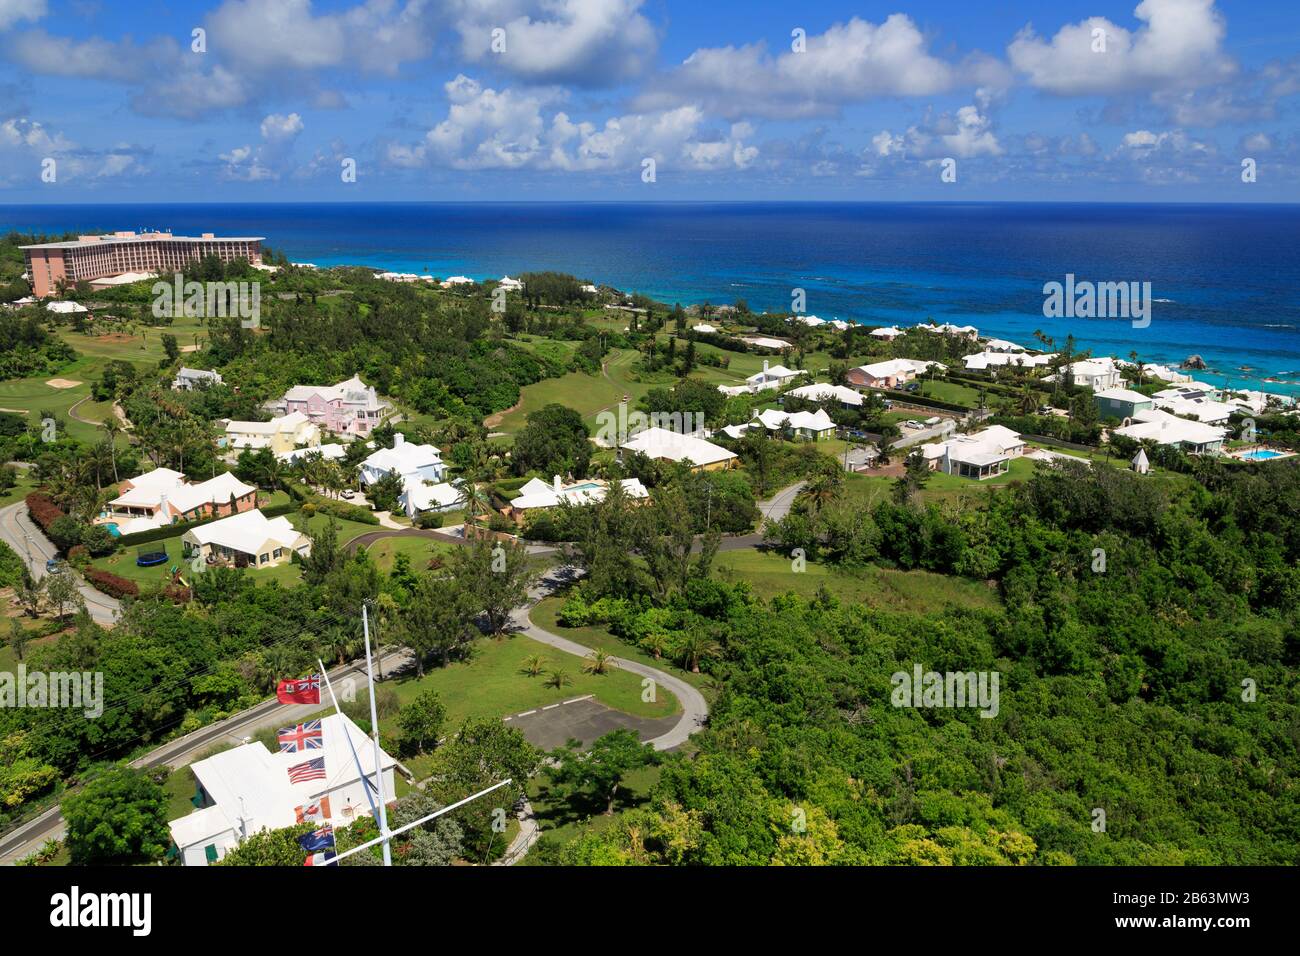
[559, 679]
[694, 647]
[822, 489]
[656, 642]
[477, 501]
[534, 665]
[114, 428]
[597, 662]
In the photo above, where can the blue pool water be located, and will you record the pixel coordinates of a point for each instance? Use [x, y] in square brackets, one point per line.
[1261, 454]
[112, 529]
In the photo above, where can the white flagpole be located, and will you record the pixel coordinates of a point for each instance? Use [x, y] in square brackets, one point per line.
[374, 726]
[361, 774]
[415, 823]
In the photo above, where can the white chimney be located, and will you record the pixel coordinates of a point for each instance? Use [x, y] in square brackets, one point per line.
[399, 440]
[555, 484]
[764, 368]
[162, 505]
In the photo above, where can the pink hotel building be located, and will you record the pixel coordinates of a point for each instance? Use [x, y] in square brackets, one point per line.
[97, 257]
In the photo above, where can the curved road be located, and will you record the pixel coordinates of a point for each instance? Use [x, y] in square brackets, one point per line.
[695, 710]
[182, 751]
[29, 542]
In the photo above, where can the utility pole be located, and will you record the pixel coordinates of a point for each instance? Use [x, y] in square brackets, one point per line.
[374, 728]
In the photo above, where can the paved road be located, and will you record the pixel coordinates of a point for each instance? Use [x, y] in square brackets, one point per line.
[695, 711]
[182, 751]
[29, 543]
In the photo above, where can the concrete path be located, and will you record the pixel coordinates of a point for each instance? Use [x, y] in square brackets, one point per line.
[29, 542]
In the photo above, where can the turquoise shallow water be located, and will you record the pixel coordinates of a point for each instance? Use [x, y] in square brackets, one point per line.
[1225, 279]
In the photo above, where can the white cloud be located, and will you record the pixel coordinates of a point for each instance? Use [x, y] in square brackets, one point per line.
[966, 134]
[1178, 46]
[277, 128]
[581, 42]
[12, 11]
[848, 63]
[509, 129]
[267, 35]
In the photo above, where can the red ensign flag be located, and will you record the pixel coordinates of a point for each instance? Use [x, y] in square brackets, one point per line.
[304, 691]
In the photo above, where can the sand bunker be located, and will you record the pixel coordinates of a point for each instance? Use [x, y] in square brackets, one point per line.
[62, 383]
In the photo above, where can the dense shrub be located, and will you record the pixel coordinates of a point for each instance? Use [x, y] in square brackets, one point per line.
[430, 519]
[112, 584]
[341, 509]
[43, 510]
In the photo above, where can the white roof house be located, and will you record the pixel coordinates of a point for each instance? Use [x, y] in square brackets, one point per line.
[1166, 429]
[888, 333]
[1202, 409]
[983, 454]
[65, 308]
[1096, 374]
[161, 496]
[420, 496]
[662, 444]
[247, 789]
[777, 374]
[812, 425]
[703, 328]
[188, 378]
[409, 460]
[538, 494]
[250, 536]
[767, 342]
[456, 280]
[1002, 345]
[512, 285]
[809, 320]
[890, 372]
[821, 392]
[981, 361]
[280, 434]
[330, 452]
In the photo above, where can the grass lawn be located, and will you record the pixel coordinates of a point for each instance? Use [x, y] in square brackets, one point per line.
[885, 588]
[587, 394]
[19, 491]
[546, 616]
[951, 392]
[492, 684]
[419, 550]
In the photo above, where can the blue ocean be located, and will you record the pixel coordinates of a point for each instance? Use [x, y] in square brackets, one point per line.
[1225, 279]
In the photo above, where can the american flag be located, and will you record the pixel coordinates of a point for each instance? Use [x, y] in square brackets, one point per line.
[302, 737]
[309, 770]
[311, 812]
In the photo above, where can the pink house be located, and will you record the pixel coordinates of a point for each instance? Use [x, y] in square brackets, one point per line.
[350, 408]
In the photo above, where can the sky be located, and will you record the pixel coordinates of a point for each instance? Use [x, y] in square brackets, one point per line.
[649, 100]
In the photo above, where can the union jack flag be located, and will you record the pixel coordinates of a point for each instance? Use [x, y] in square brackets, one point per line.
[311, 812]
[302, 737]
[304, 691]
[308, 770]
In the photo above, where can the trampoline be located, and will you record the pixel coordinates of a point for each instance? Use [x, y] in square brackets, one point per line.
[146, 558]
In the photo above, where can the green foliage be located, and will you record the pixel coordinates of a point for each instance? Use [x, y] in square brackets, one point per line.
[554, 441]
[119, 816]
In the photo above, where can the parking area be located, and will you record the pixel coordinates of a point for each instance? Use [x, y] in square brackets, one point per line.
[585, 719]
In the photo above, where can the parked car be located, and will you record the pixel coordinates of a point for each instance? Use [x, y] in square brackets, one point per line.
[55, 566]
[911, 387]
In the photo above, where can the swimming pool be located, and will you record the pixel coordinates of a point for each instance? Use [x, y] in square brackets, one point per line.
[1263, 454]
[112, 529]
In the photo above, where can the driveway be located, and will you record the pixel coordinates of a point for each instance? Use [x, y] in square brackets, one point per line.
[29, 543]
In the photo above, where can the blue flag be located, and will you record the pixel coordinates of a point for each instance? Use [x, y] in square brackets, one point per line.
[317, 840]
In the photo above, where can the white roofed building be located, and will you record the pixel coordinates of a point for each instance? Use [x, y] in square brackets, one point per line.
[982, 361]
[281, 434]
[886, 333]
[983, 454]
[889, 374]
[188, 378]
[162, 496]
[661, 444]
[538, 495]
[247, 789]
[821, 392]
[1159, 426]
[811, 426]
[250, 539]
